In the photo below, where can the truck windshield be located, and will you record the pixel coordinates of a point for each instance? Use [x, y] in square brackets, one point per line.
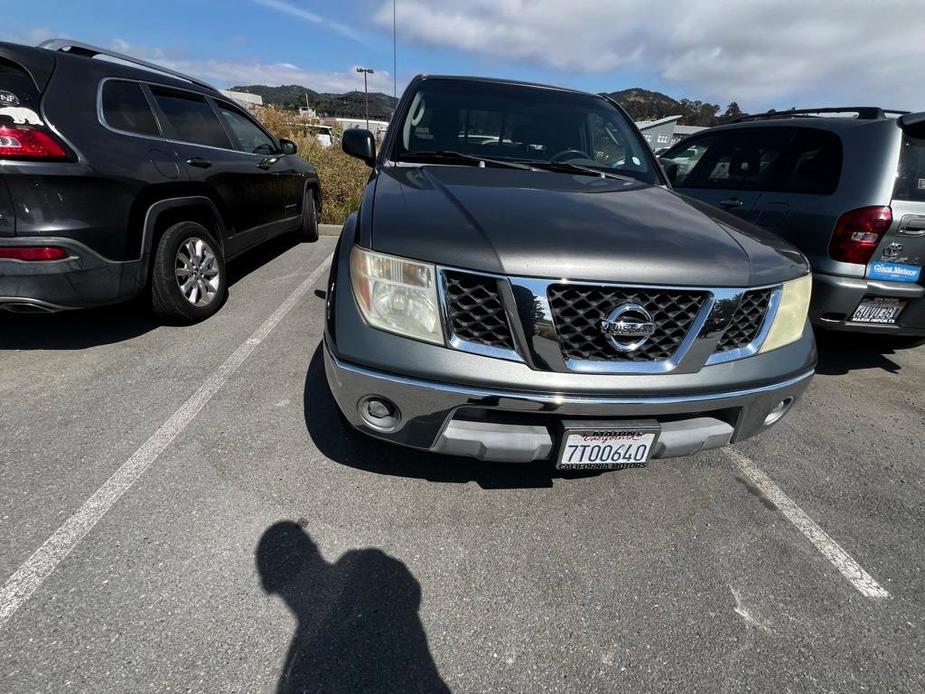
[509, 122]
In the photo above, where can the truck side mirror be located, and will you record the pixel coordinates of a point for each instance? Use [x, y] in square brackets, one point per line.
[361, 144]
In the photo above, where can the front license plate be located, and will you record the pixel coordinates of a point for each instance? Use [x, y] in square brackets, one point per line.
[880, 309]
[606, 445]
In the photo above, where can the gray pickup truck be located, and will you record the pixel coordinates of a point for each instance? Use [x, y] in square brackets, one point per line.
[520, 283]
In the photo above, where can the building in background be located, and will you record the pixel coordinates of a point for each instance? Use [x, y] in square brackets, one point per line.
[376, 127]
[664, 132]
[682, 131]
[251, 102]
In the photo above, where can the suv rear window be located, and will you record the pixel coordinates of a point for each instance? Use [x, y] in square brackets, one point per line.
[910, 184]
[17, 90]
[814, 163]
[125, 107]
[192, 118]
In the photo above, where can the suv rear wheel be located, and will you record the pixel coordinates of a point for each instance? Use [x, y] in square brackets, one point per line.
[309, 229]
[188, 280]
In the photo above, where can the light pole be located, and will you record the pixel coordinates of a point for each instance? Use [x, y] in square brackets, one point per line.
[394, 49]
[366, 71]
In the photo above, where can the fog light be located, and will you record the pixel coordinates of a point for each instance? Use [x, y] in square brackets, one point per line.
[379, 413]
[780, 409]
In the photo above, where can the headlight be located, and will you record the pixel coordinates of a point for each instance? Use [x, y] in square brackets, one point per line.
[790, 318]
[396, 295]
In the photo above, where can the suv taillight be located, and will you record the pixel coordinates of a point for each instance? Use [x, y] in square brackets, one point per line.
[24, 142]
[33, 253]
[857, 234]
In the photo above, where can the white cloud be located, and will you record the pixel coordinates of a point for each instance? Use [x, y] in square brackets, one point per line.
[227, 73]
[303, 14]
[762, 52]
[32, 37]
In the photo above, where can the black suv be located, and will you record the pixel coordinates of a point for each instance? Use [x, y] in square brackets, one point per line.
[121, 176]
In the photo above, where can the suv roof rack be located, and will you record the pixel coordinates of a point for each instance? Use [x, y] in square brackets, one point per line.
[864, 113]
[85, 49]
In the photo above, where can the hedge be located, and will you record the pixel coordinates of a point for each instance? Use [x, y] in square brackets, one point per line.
[342, 177]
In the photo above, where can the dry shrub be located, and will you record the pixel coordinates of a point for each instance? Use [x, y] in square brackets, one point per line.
[342, 177]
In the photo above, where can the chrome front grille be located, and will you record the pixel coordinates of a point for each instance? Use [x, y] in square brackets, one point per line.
[578, 311]
[557, 325]
[747, 320]
[475, 311]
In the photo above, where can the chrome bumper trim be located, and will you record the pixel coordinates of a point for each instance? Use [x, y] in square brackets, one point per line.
[428, 407]
[562, 399]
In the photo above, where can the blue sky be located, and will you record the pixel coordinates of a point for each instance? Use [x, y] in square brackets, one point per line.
[763, 53]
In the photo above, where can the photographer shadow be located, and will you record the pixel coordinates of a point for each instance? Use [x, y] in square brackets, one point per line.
[358, 626]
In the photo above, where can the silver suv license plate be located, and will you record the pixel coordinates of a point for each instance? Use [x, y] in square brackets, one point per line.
[607, 445]
[880, 309]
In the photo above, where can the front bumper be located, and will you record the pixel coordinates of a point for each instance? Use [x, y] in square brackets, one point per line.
[81, 280]
[835, 298]
[521, 426]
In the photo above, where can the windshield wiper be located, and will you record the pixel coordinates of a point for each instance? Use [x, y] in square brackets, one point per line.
[449, 155]
[524, 164]
[568, 167]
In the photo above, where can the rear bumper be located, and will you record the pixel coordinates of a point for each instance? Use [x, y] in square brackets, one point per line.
[521, 426]
[835, 298]
[83, 279]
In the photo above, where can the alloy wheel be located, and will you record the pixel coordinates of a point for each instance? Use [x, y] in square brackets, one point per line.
[197, 271]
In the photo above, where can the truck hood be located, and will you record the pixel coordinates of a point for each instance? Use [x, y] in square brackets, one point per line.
[554, 225]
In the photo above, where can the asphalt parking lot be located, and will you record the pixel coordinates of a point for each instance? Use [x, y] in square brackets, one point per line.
[183, 510]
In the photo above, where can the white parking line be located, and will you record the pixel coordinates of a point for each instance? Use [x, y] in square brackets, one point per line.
[830, 549]
[22, 584]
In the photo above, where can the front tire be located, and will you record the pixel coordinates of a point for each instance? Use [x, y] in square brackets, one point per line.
[188, 279]
[308, 231]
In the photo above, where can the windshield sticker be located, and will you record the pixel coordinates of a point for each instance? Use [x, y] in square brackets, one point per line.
[8, 98]
[21, 115]
[922, 184]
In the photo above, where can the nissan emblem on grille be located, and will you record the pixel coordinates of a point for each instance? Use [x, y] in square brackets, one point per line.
[628, 326]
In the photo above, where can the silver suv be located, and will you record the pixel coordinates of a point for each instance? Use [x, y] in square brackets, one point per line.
[847, 191]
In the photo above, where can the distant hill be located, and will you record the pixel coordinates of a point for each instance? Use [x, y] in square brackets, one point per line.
[643, 104]
[287, 96]
[350, 104]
